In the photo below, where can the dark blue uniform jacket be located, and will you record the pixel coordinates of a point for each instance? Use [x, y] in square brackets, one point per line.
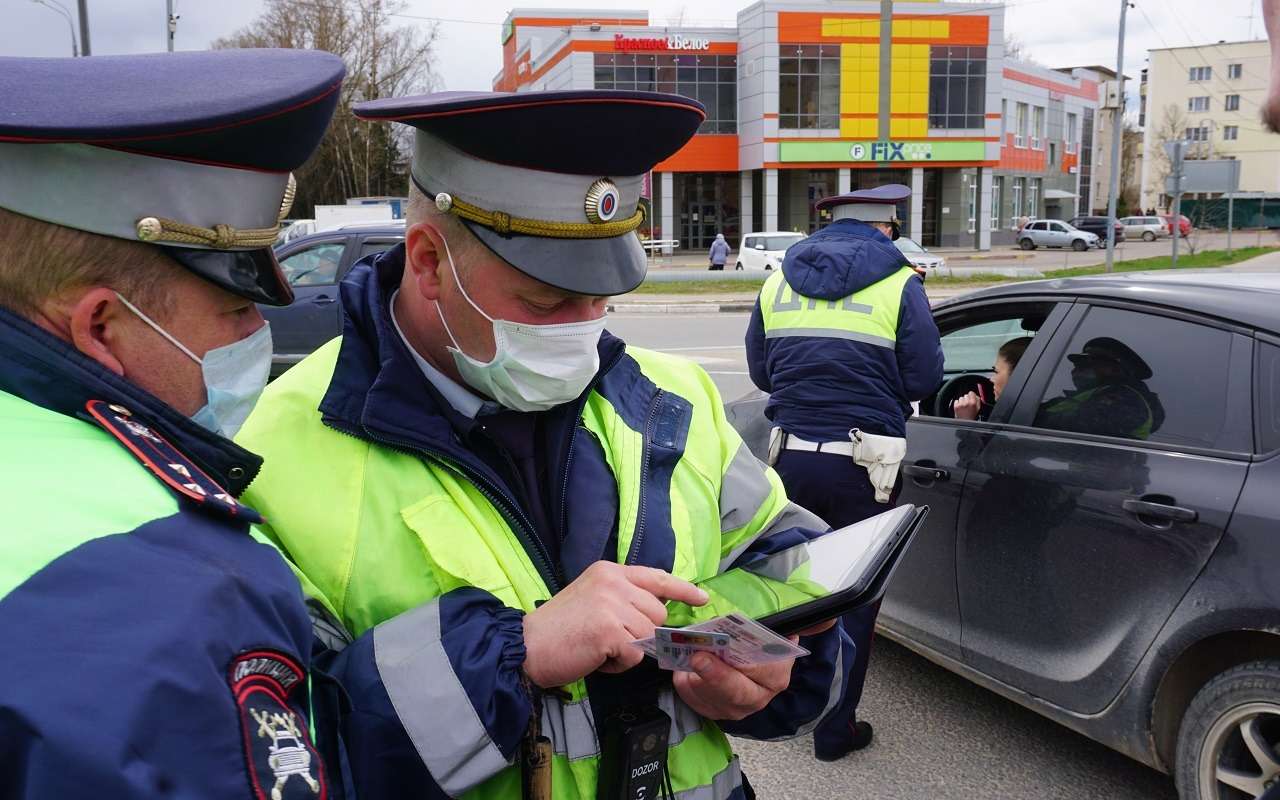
[822, 387]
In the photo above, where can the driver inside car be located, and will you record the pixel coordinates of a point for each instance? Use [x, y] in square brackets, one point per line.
[974, 406]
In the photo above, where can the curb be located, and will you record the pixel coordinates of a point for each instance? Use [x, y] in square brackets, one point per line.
[681, 308]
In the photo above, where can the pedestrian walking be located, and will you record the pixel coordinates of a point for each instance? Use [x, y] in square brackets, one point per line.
[843, 340]
[719, 252]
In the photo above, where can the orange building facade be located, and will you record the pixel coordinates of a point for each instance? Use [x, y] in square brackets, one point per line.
[806, 100]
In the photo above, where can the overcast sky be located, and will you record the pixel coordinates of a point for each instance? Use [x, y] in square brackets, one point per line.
[1054, 32]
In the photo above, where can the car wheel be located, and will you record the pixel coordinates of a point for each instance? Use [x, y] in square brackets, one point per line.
[738, 265]
[1230, 735]
[1148, 236]
[1079, 245]
[1027, 244]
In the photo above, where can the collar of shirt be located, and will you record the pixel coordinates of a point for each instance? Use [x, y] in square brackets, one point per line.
[463, 400]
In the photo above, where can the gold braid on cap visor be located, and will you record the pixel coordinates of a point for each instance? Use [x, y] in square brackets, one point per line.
[505, 224]
[159, 230]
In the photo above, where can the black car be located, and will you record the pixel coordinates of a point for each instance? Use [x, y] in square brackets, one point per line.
[1098, 227]
[1104, 542]
[314, 265]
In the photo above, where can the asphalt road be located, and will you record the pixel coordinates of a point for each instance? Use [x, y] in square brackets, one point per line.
[937, 735]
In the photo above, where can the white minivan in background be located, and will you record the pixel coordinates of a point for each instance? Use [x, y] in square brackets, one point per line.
[1149, 228]
[765, 250]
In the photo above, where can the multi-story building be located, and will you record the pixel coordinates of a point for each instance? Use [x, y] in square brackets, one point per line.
[1209, 95]
[809, 98]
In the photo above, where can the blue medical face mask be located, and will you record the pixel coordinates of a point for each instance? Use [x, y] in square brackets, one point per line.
[234, 375]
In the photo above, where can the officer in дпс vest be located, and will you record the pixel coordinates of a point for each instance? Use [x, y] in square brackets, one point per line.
[843, 341]
[153, 646]
[475, 440]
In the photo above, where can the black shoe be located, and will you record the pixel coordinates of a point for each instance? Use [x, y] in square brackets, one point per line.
[862, 735]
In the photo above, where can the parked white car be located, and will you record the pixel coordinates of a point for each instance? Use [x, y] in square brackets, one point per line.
[765, 250]
[1148, 228]
[1055, 233]
[921, 259]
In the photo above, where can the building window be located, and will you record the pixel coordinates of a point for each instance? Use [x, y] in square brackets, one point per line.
[1200, 134]
[1235, 71]
[1033, 197]
[973, 204]
[1198, 104]
[1020, 134]
[997, 189]
[1037, 127]
[809, 87]
[1200, 74]
[1086, 163]
[711, 80]
[1072, 133]
[1015, 208]
[1230, 132]
[957, 87]
[1232, 102]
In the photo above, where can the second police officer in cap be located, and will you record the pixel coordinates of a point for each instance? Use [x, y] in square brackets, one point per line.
[154, 647]
[843, 341]
[476, 441]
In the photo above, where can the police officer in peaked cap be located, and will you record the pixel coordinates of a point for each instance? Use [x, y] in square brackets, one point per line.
[843, 341]
[476, 439]
[154, 645]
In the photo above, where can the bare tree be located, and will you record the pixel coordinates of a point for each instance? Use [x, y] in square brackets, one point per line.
[355, 158]
[1016, 50]
[1171, 128]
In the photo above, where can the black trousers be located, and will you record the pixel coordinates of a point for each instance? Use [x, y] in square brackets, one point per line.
[838, 490]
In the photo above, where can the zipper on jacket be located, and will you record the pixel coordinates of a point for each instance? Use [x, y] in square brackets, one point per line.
[647, 445]
[510, 511]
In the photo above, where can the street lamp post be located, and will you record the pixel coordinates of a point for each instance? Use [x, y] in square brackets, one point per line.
[83, 6]
[1117, 134]
[55, 6]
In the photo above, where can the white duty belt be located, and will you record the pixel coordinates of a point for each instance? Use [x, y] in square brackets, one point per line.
[880, 456]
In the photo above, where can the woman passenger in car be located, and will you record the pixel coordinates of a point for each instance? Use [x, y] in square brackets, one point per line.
[971, 406]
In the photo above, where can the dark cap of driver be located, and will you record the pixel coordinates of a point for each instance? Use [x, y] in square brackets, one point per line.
[549, 181]
[191, 152]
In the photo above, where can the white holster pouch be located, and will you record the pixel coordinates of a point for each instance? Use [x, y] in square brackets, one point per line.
[775, 444]
[880, 456]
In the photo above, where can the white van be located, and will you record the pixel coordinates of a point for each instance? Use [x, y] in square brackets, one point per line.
[765, 250]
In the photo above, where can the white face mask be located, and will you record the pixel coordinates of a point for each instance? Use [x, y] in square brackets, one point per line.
[535, 367]
[234, 375]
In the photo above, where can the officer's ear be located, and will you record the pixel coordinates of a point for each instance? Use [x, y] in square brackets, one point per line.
[95, 324]
[424, 255]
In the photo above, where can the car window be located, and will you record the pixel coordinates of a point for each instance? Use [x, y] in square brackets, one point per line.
[314, 266]
[1126, 375]
[780, 242]
[370, 246]
[750, 241]
[908, 246]
[1268, 372]
[1060, 228]
[1036, 226]
[974, 348]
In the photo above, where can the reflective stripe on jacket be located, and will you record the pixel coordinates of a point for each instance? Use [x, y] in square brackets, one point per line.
[397, 515]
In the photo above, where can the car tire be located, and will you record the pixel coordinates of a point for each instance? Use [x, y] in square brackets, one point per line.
[738, 266]
[1027, 244]
[1148, 236]
[1079, 245]
[1242, 702]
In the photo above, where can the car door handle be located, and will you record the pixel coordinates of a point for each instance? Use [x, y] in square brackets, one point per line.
[323, 300]
[1144, 508]
[926, 471]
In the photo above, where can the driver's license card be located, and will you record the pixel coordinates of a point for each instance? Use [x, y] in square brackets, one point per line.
[736, 640]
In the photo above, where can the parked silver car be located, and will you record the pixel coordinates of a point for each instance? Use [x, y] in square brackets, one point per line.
[1148, 228]
[1055, 233]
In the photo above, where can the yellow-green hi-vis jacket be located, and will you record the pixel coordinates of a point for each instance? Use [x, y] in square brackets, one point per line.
[372, 491]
